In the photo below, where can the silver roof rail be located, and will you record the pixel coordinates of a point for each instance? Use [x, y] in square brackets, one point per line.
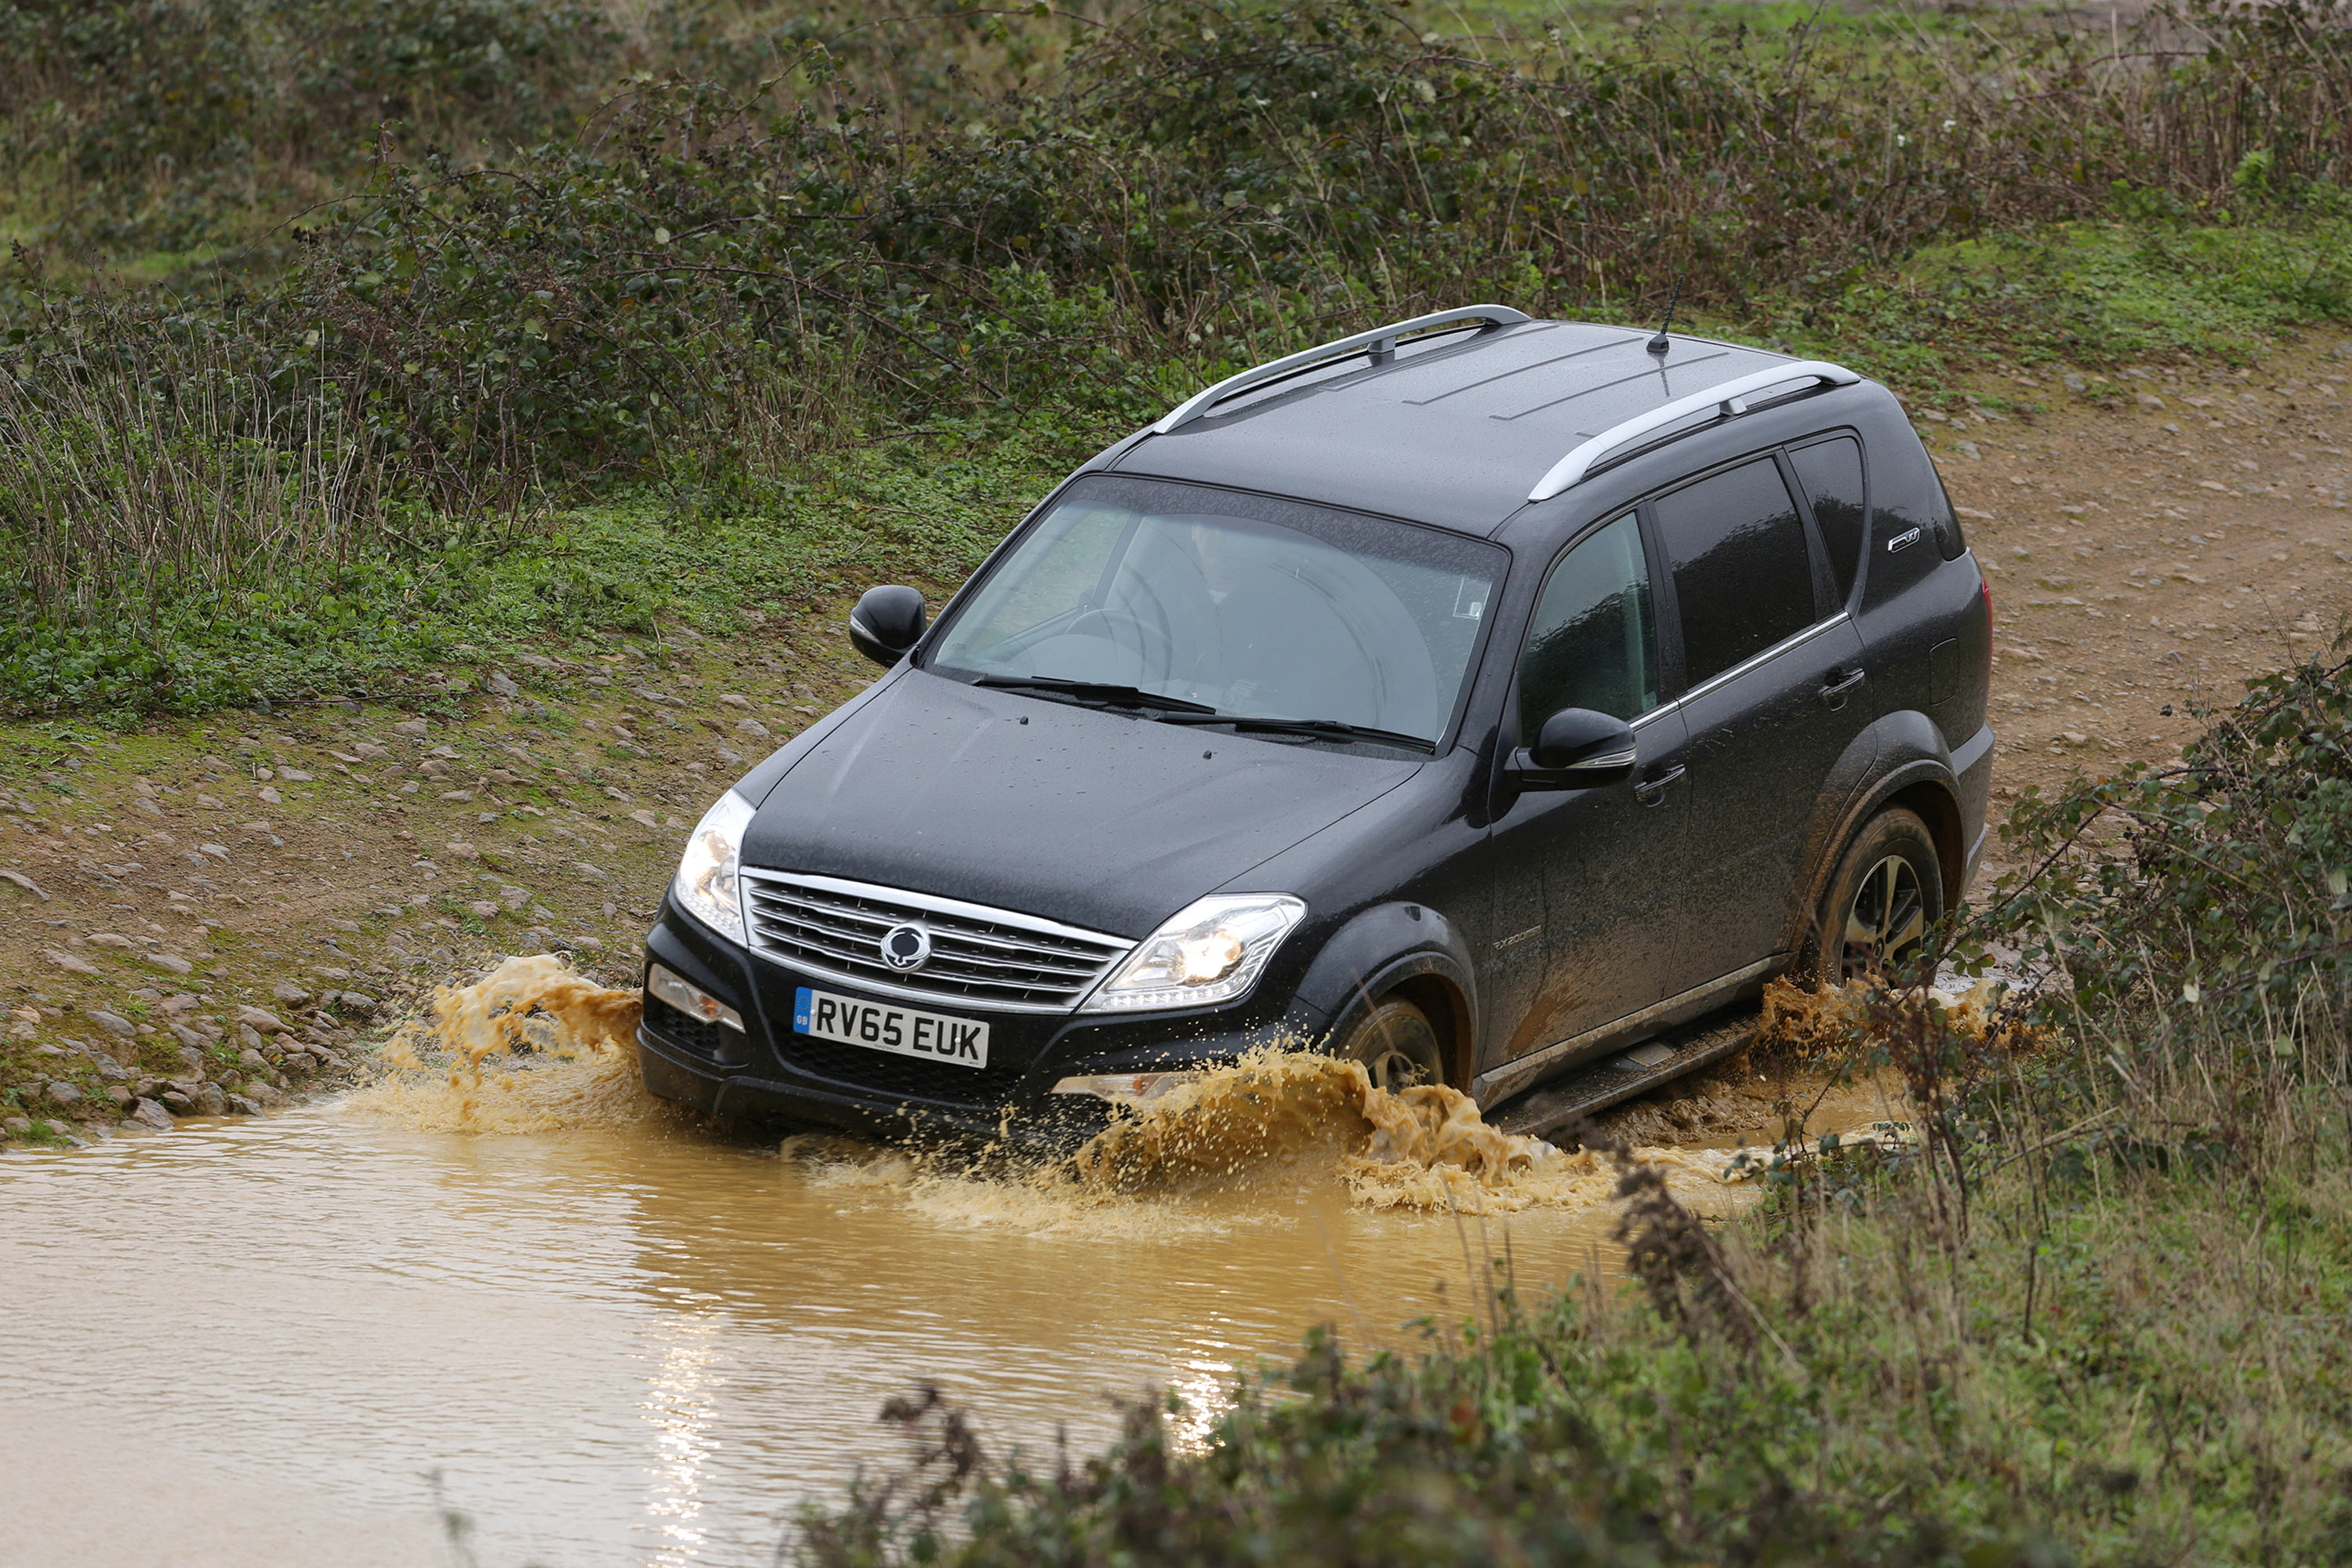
[1381, 340]
[1730, 397]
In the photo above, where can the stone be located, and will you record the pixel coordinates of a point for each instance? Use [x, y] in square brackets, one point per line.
[484, 909]
[18, 879]
[119, 1096]
[296, 775]
[413, 727]
[753, 728]
[148, 1113]
[251, 1061]
[270, 796]
[358, 1001]
[257, 1018]
[458, 796]
[285, 991]
[144, 806]
[114, 1023]
[264, 1094]
[108, 939]
[248, 1035]
[646, 817]
[498, 684]
[591, 873]
[69, 962]
[735, 700]
[63, 1095]
[210, 1100]
[16, 1126]
[170, 961]
[241, 1106]
[464, 851]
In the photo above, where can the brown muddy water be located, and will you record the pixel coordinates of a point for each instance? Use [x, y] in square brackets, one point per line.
[611, 1338]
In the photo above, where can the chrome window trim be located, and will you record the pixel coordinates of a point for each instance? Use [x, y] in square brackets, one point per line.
[1113, 949]
[1754, 661]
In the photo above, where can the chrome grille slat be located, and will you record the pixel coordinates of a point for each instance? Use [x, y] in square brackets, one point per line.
[996, 959]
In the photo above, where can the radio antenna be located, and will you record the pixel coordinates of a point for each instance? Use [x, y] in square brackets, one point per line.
[1658, 344]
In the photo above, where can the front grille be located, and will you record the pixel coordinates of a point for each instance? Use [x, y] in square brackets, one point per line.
[980, 957]
[895, 1077]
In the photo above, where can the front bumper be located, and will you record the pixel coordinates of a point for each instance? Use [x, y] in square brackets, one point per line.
[769, 1072]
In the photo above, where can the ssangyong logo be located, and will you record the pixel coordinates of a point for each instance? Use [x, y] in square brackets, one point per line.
[906, 948]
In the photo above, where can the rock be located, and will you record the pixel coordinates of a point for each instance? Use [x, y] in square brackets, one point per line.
[170, 961]
[296, 775]
[119, 1096]
[251, 1061]
[415, 727]
[246, 1035]
[496, 684]
[256, 1018]
[210, 1100]
[298, 1062]
[148, 1113]
[269, 796]
[114, 1024]
[144, 806]
[2075, 738]
[464, 851]
[63, 1095]
[736, 699]
[484, 909]
[591, 873]
[19, 879]
[457, 795]
[358, 1001]
[2148, 400]
[180, 1100]
[110, 1071]
[264, 1094]
[242, 1106]
[69, 962]
[753, 728]
[285, 991]
[646, 817]
[514, 898]
[16, 1126]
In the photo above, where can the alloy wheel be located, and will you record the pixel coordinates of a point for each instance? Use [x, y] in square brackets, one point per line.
[1886, 919]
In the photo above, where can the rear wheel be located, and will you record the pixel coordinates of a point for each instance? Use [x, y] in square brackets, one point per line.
[1397, 1046]
[1886, 893]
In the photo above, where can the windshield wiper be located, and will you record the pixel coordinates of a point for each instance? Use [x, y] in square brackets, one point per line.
[1321, 729]
[1095, 693]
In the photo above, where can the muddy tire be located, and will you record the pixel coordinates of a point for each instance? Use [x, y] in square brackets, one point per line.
[1886, 894]
[1397, 1046]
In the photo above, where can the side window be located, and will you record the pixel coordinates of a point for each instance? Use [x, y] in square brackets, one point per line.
[1830, 472]
[1743, 571]
[1594, 642]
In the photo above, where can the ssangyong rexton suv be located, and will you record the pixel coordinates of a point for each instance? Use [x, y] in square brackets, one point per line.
[1483, 698]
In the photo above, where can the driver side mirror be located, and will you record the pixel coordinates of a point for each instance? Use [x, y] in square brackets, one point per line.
[1578, 749]
[887, 622]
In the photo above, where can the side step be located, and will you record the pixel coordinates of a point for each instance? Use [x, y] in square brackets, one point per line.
[1626, 1073]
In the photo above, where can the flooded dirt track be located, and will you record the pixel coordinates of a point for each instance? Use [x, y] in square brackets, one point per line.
[251, 1343]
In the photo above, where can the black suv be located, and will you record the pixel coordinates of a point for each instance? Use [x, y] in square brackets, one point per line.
[1484, 698]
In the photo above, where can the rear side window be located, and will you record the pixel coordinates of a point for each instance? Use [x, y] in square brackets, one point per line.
[1592, 643]
[1743, 573]
[1831, 473]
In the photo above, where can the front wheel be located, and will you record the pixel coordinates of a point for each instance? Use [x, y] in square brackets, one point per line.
[1887, 892]
[1397, 1046]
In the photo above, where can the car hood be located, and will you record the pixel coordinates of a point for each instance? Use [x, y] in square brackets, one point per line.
[1097, 819]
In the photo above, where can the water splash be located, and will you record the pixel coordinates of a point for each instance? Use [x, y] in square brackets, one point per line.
[531, 1047]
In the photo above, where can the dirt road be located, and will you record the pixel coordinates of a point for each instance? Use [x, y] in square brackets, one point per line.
[2153, 540]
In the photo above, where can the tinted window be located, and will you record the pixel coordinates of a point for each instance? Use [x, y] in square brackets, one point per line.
[1743, 576]
[1262, 608]
[1830, 472]
[1592, 642]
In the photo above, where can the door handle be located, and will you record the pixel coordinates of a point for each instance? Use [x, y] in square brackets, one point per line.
[1649, 792]
[1834, 689]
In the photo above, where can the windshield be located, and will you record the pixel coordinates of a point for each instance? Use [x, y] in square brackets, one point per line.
[1257, 608]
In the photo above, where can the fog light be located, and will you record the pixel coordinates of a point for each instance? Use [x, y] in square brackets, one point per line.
[1127, 1087]
[691, 1000]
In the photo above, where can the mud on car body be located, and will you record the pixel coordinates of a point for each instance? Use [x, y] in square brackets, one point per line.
[1481, 698]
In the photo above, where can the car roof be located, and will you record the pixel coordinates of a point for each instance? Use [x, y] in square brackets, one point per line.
[1453, 430]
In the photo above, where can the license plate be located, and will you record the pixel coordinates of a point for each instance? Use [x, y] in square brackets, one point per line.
[901, 1031]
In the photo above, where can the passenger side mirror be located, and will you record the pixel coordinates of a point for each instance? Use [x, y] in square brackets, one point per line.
[1579, 749]
[887, 622]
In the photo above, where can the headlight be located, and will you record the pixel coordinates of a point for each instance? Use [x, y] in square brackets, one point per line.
[1212, 952]
[708, 886]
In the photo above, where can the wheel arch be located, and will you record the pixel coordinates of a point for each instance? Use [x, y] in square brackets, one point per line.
[1900, 760]
[1401, 949]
